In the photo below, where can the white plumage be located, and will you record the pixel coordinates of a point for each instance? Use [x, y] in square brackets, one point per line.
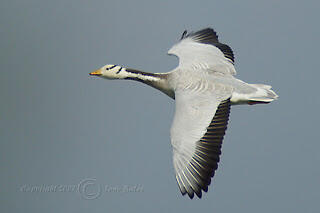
[204, 88]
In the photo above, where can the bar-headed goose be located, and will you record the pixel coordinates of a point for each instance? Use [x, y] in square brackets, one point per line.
[204, 88]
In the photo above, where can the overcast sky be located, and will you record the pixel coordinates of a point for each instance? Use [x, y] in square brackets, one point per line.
[73, 143]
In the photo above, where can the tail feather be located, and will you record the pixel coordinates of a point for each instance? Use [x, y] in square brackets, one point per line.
[263, 95]
[264, 86]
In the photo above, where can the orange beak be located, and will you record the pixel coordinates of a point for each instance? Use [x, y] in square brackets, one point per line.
[96, 73]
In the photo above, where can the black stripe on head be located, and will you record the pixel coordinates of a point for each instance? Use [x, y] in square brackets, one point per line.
[119, 70]
[109, 68]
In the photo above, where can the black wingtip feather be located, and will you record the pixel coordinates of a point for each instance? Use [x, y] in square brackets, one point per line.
[184, 34]
[205, 160]
[209, 36]
[207, 153]
[206, 35]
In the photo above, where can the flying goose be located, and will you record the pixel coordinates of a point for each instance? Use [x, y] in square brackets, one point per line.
[204, 87]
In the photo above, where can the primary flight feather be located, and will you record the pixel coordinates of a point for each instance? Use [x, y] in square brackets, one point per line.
[204, 88]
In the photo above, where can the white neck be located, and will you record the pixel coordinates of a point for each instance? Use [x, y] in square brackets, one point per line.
[156, 80]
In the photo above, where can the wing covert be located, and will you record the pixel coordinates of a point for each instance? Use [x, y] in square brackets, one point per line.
[203, 49]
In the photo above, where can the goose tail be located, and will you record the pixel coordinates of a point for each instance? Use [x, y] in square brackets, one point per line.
[263, 94]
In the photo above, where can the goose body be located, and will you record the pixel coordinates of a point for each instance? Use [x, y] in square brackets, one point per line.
[204, 88]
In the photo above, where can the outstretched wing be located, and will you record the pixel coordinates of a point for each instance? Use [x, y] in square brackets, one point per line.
[197, 132]
[202, 49]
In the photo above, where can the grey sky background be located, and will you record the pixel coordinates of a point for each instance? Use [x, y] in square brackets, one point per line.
[59, 127]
